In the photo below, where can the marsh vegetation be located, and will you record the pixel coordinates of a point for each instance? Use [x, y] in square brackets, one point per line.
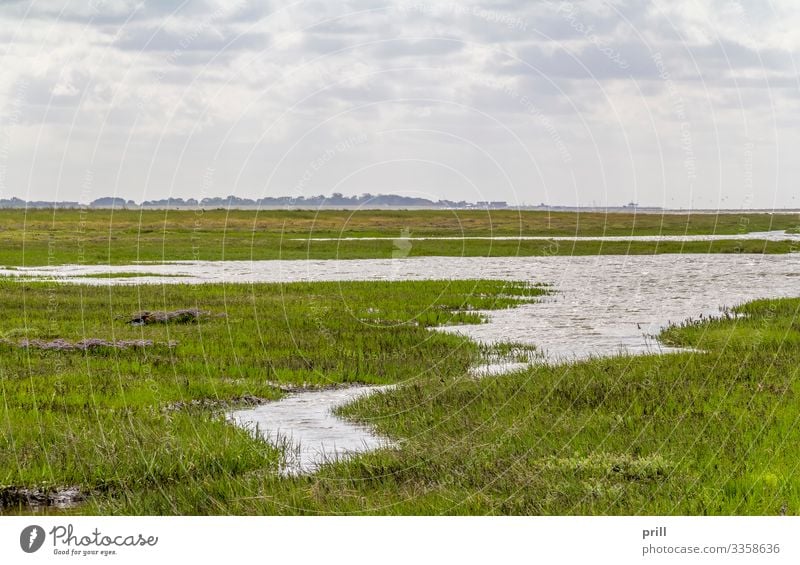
[141, 430]
[41, 237]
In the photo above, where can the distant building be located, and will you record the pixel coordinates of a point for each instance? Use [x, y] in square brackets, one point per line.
[492, 204]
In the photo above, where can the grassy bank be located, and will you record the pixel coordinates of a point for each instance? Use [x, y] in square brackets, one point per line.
[695, 433]
[142, 410]
[40, 237]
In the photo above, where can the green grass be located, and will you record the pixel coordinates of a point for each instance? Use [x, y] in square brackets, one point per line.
[41, 237]
[98, 419]
[706, 432]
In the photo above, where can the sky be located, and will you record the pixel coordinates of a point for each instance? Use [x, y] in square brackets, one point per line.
[674, 103]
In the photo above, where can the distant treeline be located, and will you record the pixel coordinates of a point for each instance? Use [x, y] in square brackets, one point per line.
[335, 200]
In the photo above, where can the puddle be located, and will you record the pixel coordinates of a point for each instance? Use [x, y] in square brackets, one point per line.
[305, 422]
[600, 306]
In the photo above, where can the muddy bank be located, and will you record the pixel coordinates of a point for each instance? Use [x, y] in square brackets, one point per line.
[183, 316]
[215, 403]
[32, 498]
[86, 344]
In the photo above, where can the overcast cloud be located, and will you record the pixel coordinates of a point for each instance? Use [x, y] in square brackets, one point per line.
[670, 103]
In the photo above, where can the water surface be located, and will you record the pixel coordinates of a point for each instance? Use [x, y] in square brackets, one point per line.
[305, 422]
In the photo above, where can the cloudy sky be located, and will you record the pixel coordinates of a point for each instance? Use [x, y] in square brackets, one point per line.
[673, 103]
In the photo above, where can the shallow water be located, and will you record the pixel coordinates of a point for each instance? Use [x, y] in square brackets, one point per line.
[306, 421]
[777, 235]
[601, 305]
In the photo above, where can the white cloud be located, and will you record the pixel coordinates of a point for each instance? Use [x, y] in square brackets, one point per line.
[630, 91]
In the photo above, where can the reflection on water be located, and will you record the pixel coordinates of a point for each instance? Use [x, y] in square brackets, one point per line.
[601, 305]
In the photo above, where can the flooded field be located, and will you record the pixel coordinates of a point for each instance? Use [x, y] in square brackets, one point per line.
[599, 306]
